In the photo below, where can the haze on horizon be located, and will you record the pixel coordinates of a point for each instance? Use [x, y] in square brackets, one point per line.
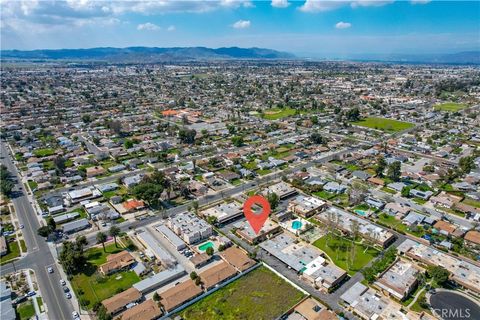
[311, 27]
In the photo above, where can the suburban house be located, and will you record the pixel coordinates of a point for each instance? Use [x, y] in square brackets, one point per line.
[116, 262]
[120, 301]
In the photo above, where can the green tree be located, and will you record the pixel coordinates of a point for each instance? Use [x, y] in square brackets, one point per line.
[102, 238]
[406, 192]
[114, 232]
[44, 231]
[273, 200]
[102, 314]
[187, 136]
[81, 241]
[439, 274]
[193, 275]
[6, 185]
[72, 257]
[209, 251]
[317, 138]
[51, 224]
[156, 296]
[237, 141]
[381, 165]
[353, 114]
[59, 163]
[86, 118]
[466, 164]
[394, 171]
[195, 206]
[128, 144]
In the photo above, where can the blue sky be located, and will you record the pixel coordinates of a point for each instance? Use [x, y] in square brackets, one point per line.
[312, 27]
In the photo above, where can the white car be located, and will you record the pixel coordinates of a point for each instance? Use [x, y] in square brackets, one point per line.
[68, 295]
[63, 282]
[50, 270]
[75, 314]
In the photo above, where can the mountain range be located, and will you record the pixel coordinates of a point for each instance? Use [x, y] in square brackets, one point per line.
[147, 54]
[155, 54]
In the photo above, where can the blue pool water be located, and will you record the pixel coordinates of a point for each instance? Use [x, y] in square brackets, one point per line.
[360, 212]
[296, 225]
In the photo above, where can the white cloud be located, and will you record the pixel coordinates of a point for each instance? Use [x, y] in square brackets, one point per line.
[370, 3]
[236, 3]
[328, 5]
[343, 25]
[280, 3]
[171, 28]
[241, 24]
[321, 5]
[420, 1]
[148, 27]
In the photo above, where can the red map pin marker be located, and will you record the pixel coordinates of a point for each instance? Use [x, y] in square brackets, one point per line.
[256, 220]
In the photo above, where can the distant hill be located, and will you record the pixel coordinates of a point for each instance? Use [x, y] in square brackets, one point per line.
[146, 54]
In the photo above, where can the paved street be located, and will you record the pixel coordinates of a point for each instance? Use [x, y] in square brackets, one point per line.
[39, 257]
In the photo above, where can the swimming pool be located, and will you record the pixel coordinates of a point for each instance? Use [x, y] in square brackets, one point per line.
[296, 224]
[361, 212]
[205, 246]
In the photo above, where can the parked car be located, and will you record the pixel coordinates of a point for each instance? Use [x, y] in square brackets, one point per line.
[50, 270]
[63, 282]
[31, 294]
[65, 289]
[68, 295]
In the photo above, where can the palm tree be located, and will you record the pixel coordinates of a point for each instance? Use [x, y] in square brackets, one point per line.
[114, 232]
[101, 238]
[195, 206]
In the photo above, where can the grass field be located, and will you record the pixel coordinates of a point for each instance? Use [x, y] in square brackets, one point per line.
[275, 114]
[258, 295]
[98, 289]
[384, 124]
[264, 171]
[25, 310]
[43, 152]
[338, 250]
[95, 287]
[324, 194]
[471, 202]
[391, 222]
[96, 256]
[12, 253]
[450, 106]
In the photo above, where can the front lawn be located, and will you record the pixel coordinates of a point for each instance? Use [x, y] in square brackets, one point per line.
[260, 294]
[339, 250]
[384, 124]
[43, 152]
[392, 222]
[91, 287]
[97, 256]
[450, 106]
[471, 202]
[25, 310]
[388, 190]
[96, 288]
[325, 195]
[263, 172]
[13, 252]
